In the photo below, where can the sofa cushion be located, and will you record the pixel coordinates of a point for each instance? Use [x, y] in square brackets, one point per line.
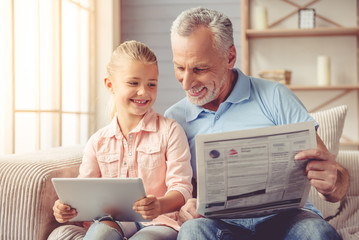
[331, 123]
[346, 219]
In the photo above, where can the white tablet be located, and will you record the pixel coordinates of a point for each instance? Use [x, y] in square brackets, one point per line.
[90, 196]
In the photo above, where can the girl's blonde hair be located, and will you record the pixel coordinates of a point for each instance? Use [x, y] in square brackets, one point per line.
[130, 50]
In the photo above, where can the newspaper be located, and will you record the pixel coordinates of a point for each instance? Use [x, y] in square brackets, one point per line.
[250, 173]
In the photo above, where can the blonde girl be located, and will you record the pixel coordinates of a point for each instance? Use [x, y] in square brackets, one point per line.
[137, 143]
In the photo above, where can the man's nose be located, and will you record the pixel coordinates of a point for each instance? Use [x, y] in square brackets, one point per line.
[187, 80]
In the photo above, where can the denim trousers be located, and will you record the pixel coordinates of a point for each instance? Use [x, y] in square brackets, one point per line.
[101, 231]
[298, 224]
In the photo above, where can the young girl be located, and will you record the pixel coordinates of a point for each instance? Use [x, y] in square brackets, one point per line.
[137, 143]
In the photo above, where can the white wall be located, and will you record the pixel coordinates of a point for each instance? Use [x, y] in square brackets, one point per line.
[107, 38]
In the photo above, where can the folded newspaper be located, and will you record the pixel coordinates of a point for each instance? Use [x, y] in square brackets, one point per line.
[251, 173]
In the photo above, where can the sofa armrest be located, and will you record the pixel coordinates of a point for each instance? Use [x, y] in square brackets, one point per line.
[343, 215]
[26, 191]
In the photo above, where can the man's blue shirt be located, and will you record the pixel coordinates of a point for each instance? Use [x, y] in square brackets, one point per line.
[253, 103]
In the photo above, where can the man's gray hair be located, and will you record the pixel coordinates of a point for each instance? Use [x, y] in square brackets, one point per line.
[219, 24]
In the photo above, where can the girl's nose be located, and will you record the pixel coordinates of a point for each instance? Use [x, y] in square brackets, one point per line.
[141, 90]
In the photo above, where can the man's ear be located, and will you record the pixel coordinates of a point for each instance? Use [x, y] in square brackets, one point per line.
[232, 56]
[108, 85]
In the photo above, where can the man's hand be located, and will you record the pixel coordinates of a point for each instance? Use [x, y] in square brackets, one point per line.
[188, 211]
[62, 212]
[329, 178]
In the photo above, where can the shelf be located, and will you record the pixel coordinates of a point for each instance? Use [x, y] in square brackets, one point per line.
[333, 93]
[322, 88]
[349, 144]
[316, 32]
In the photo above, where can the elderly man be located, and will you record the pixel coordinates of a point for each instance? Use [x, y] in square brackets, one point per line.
[221, 98]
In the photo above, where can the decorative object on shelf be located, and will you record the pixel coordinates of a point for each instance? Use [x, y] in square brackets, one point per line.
[306, 18]
[323, 70]
[259, 18]
[280, 75]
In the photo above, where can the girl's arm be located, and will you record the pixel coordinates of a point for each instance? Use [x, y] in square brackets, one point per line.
[151, 207]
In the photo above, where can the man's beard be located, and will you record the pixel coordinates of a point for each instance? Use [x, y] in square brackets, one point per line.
[211, 95]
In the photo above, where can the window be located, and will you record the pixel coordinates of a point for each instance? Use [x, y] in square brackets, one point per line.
[46, 73]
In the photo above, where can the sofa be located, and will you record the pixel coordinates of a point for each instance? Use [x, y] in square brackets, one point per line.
[27, 194]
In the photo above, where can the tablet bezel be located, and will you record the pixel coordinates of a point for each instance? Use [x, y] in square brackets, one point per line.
[91, 196]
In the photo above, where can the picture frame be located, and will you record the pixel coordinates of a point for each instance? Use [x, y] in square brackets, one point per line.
[306, 18]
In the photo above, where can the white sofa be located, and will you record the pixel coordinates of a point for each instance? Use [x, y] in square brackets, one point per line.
[27, 194]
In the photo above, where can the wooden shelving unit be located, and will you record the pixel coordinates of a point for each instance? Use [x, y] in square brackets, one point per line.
[248, 34]
[324, 88]
[316, 32]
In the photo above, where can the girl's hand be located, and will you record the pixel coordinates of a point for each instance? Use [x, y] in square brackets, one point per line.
[149, 207]
[63, 212]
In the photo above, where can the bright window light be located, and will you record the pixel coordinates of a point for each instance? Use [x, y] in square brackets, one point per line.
[45, 73]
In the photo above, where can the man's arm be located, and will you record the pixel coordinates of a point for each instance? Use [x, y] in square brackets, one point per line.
[329, 177]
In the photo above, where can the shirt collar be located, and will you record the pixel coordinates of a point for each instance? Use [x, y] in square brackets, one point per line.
[148, 123]
[240, 92]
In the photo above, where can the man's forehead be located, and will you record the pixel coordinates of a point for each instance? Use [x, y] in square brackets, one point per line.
[191, 64]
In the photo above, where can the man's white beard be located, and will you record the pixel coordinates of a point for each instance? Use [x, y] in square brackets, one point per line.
[209, 97]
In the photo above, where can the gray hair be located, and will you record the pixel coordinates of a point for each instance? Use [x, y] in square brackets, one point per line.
[219, 24]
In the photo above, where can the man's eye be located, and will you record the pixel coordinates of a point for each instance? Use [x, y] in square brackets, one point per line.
[199, 69]
[152, 84]
[133, 83]
[180, 68]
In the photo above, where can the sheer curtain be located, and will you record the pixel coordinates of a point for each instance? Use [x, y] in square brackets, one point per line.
[46, 74]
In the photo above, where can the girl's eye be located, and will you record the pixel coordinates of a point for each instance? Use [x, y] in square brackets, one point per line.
[133, 83]
[152, 84]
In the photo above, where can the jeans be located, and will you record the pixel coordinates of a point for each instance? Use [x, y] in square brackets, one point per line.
[299, 224]
[101, 231]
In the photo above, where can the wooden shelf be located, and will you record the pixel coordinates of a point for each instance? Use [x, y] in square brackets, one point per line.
[334, 92]
[316, 32]
[349, 144]
[322, 88]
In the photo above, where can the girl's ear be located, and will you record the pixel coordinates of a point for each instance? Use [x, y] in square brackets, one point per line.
[108, 85]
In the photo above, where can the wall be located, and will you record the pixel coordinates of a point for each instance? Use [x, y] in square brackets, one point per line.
[107, 38]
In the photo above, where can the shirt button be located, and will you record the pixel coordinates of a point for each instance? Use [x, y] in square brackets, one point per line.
[130, 136]
[130, 154]
[124, 163]
[217, 117]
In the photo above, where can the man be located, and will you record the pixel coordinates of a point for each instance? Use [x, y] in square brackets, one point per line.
[221, 98]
